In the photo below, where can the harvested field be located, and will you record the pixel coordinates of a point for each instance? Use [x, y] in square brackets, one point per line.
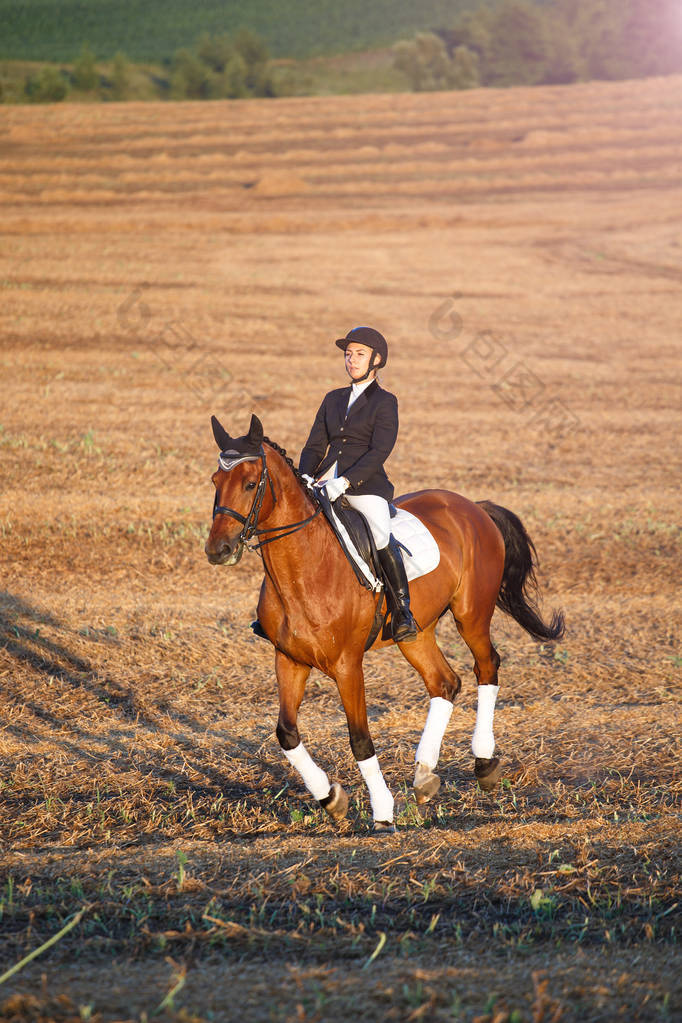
[521, 250]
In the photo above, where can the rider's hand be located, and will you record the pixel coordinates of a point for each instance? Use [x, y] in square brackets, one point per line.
[335, 487]
[309, 481]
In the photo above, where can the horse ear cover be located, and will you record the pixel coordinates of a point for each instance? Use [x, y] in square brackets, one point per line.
[255, 434]
[222, 437]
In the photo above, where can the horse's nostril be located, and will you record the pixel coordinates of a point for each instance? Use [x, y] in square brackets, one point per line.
[219, 550]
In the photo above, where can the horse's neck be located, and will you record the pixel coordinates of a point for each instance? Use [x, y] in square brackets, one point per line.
[297, 556]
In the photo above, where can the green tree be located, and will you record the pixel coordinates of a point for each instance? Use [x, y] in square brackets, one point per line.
[85, 74]
[191, 78]
[254, 52]
[232, 83]
[222, 68]
[216, 51]
[425, 62]
[472, 29]
[601, 30]
[464, 69]
[120, 77]
[405, 61]
[47, 86]
[518, 50]
[597, 28]
[564, 61]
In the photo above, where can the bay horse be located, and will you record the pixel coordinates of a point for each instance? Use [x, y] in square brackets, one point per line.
[317, 615]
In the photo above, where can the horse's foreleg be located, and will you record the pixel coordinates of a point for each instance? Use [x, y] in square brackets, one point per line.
[291, 679]
[351, 685]
[442, 684]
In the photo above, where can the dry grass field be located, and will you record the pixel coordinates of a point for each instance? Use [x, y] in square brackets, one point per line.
[522, 252]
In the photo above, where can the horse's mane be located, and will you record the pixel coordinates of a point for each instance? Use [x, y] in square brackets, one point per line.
[297, 474]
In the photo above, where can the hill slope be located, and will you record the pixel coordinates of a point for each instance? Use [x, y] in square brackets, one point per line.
[46, 30]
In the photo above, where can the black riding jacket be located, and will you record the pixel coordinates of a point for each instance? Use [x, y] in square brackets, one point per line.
[359, 439]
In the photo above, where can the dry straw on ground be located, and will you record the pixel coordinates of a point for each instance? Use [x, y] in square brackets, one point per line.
[521, 251]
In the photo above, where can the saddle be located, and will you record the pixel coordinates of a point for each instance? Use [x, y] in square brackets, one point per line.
[356, 540]
[350, 524]
[420, 552]
[418, 548]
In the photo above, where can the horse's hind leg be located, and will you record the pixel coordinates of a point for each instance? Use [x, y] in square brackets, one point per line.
[476, 634]
[291, 679]
[442, 684]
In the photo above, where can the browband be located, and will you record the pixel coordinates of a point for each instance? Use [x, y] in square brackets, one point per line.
[228, 459]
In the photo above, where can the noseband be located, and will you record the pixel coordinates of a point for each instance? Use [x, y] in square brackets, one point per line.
[227, 461]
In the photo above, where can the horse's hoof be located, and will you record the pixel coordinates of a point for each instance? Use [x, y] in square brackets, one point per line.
[383, 828]
[336, 803]
[488, 773]
[426, 784]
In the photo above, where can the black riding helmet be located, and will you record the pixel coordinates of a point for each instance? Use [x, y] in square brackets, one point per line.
[370, 337]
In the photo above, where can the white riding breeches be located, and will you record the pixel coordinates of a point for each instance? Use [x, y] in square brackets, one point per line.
[375, 510]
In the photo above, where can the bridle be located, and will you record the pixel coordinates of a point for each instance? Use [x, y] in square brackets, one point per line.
[250, 521]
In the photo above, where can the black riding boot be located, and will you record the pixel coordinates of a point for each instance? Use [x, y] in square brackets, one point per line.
[403, 625]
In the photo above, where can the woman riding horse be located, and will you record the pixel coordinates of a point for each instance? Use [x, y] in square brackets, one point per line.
[354, 432]
[324, 619]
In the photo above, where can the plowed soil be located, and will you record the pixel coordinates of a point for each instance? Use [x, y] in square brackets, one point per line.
[521, 250]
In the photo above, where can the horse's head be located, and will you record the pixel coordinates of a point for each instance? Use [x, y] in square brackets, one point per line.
[242, 494]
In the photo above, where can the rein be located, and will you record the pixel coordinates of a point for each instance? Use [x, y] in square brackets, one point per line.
[250, 521]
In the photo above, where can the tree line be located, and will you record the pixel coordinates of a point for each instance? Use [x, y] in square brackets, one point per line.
[516, 42]
[216, 67]
[510, 42]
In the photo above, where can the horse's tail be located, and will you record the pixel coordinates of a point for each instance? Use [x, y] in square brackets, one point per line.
[519, 588]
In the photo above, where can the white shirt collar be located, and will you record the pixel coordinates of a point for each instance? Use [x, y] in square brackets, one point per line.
[357, 389]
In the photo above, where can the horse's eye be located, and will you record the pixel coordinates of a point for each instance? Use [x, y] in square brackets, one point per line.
[250, 486]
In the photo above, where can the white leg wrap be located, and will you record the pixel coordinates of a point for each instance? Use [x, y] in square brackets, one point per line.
[428, 749]
[314, 778]
[379, 794]
[483, 741]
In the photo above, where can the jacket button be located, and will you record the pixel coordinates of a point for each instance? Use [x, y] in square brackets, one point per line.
[341, 429]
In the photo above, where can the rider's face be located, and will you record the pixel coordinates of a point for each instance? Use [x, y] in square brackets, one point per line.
[358, 359]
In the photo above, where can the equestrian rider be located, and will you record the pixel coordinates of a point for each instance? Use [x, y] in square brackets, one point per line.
[354, 432]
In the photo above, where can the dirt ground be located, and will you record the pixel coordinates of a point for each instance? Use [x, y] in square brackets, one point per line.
[521, 251]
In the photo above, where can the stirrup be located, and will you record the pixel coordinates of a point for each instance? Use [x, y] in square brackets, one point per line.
[405, 629]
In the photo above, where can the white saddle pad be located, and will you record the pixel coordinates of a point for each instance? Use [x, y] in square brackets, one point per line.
[424, 554]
